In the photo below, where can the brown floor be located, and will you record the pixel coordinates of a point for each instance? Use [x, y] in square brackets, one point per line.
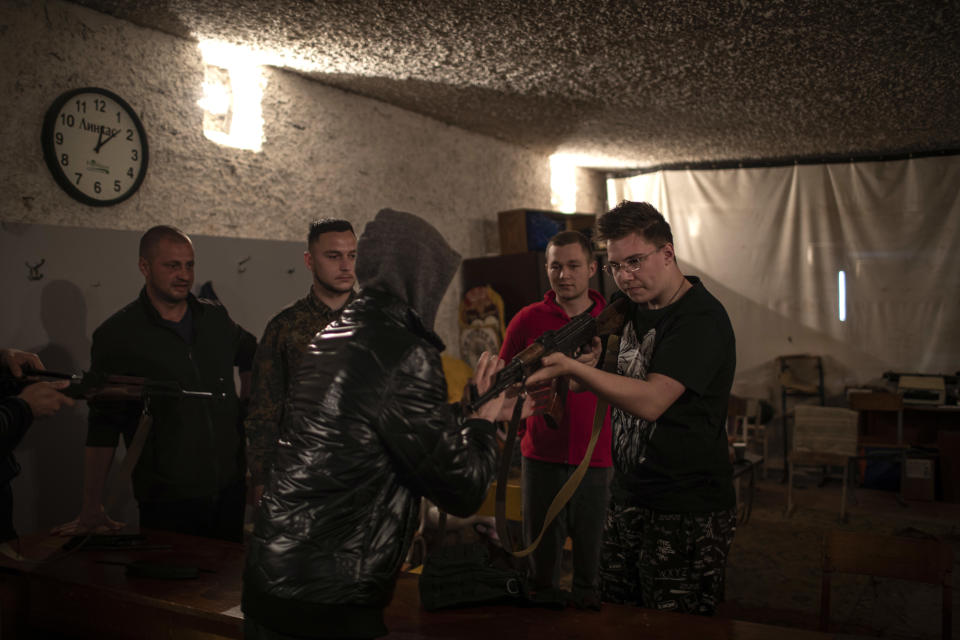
[773, 572]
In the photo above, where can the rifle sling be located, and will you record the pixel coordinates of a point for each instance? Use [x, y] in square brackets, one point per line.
[126, 469]
[569, 487]
[133, 455]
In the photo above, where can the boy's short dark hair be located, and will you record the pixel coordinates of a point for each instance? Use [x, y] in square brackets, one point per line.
[629, 217]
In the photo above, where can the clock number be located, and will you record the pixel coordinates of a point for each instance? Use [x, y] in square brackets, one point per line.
[77, 127]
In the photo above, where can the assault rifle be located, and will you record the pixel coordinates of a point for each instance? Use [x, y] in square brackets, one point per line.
[94, 385]
[568, 339]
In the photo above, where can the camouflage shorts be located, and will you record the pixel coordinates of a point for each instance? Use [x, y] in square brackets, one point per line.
[668, 561]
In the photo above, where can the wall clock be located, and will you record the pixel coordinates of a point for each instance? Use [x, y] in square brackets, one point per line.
[95, 146]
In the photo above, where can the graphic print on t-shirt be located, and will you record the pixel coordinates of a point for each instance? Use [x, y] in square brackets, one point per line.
[631, 434]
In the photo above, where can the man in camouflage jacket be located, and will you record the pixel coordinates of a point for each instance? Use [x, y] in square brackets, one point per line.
[330, 256]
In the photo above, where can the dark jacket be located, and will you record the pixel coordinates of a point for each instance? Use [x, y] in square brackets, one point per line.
[286, 337]
[15, 419]
[195, 447]
[367, 433]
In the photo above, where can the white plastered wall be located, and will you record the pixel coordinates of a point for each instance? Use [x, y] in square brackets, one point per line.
[325, 152]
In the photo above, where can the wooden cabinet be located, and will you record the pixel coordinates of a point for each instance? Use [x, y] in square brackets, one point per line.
[519, 278]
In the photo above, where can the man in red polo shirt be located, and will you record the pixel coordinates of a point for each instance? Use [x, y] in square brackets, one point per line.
[550, 455]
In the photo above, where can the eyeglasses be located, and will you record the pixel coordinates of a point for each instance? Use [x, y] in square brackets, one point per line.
[631, 264]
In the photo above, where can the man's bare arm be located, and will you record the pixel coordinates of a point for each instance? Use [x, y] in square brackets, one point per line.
[647, 399]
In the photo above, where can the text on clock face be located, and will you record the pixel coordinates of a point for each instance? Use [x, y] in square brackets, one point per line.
[105, 133]
[95, 146]
[99, 128]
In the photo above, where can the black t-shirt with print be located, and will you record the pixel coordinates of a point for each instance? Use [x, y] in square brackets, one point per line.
[679, 463]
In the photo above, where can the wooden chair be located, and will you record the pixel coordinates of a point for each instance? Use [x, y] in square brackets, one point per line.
[920, 560]
[743, 424]
[823, 437]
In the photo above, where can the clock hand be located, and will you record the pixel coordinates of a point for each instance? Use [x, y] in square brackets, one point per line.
[100, 142]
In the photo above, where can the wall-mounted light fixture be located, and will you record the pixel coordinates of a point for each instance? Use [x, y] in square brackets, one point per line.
[563, 183]
[233, 86]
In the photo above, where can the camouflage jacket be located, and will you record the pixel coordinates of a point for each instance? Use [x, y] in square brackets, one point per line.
[286, 337]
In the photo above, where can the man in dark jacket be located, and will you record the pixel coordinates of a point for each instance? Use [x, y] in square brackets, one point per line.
[369, 431]
[190, 477]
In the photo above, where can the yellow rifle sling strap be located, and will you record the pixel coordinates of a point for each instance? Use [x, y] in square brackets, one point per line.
[569, 487]
[130, 459]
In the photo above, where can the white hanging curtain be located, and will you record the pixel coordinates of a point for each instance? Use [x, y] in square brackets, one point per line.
[770, 242]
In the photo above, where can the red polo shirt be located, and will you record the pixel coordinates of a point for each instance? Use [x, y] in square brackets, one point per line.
[568, 444]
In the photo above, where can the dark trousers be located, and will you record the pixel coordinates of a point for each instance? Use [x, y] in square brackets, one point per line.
[581, 519]
[218, 517]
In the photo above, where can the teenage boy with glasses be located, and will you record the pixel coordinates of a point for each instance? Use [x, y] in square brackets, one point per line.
[671, 518]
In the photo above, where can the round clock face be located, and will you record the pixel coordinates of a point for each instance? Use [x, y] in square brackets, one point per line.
[95, 146]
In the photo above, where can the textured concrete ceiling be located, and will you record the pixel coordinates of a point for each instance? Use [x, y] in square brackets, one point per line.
[628, 84]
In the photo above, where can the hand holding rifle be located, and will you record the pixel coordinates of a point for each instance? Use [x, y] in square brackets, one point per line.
[501, 406]
[556, 351]
[44, 398]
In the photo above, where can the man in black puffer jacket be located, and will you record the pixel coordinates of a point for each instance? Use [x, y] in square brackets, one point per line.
[367, 432]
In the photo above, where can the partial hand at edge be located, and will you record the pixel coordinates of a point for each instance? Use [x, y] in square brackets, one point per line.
[88, 522]
[553, 366]
[44, 399]
[486, 370]
[14, 359]
[590, 354]
[542, 396]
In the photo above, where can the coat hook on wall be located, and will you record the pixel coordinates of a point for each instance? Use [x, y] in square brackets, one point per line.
[35, 269]
[240, 265]
[290, 270]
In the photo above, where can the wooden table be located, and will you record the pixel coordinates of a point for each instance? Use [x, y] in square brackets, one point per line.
[84, 597]
[81, 594]
[887, 421]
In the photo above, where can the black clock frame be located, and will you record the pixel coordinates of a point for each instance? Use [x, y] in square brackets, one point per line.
[50, 152]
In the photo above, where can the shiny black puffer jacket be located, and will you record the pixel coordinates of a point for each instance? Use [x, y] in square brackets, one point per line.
[368, 432]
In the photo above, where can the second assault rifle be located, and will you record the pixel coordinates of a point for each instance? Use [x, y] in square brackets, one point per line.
[567, 340]
[95, 386]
